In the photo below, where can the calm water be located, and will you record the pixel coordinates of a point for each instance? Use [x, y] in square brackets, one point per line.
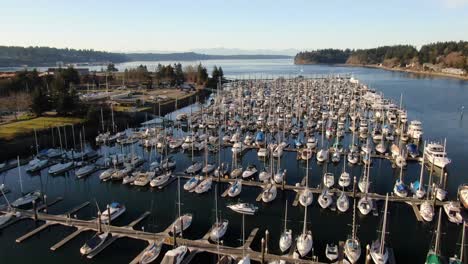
[435, 101]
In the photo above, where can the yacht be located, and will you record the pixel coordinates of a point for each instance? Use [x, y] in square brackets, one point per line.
[436, 154]
[106, 175]
[114, 210]
[151, 253]
[143, 178]
[352, 246]
[175, 256]
[415, 129]
[345, 179]
[304, 242]
[427, 211]
[94, 243]
[243, 208]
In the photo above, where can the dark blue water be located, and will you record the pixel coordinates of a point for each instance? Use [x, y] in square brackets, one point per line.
[434, 101]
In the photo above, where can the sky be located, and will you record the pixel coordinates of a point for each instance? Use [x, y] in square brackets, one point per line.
[184, 25]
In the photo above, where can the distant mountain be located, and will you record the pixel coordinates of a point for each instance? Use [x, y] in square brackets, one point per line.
[234, 51]
[45, 56]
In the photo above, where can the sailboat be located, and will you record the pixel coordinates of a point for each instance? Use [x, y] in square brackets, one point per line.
[9, 214]
[151, 253]
[269, 192]
[306, 197]
[400, 187]
[433, 256]
[183, 221]
[26, 198]
[459, 259]
[378, 251]
[175, 256]
[220, 226]
[342, 203]
[352, 247]
[286, 237]
[304, 241]
[417, 186]
[246, 258]
[325, 199]
[366, 203]
[345, 179]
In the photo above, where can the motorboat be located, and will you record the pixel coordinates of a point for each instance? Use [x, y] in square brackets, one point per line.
[161, 179]
[400, 188]
[235, 173]
[243, 208]
[250, 171]
[235, 188]
[435, 154]
[118, 175]
[365, 205]
[204, 186]
[143, 178]
[331, 251]
[415, 130]
[453, 211]
[129, 179]
[61, 167]
[328, 179]
[344, 180]
[94, 243]
[175, 256]
[113, 210]
[151, 253]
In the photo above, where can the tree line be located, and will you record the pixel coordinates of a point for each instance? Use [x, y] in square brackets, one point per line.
[450, 54]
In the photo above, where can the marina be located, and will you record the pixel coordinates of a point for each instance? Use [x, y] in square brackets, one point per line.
[321, 126]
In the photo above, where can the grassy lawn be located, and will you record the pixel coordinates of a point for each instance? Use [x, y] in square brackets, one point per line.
[11, 130]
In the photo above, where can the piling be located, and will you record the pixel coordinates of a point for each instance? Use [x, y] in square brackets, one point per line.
[99, 222]
[174, 234]
[354, 187]
[368, 257]
[35, 210]
[263, 250]
[45, 203]
[266, 241]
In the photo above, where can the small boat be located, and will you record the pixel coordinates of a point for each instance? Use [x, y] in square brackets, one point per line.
[236, 173]
[331, 251]
[218, 230]
[243, 208]
[114, 210]
[279, 176]
[452, 209]
[85, 170]
[209, 168]
[151, 253]
[191, 183]
[262, 153]
[94, 243]
[235, 188]
[129, 179]
[365, 205]
[322, 155]
[161, 179]
[175, 256]
[304, 243]
[427, 211]
[118, 175]
[61, 167]
[412, 150]
[26, 199]
[264, 176]
[250, 171]
[143, 178]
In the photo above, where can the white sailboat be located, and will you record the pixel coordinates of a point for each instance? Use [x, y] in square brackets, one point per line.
[306, 197]
[304, 241]
[220, 226]
[378, 251]
[26, 198]
[352, 247]
[285, 241]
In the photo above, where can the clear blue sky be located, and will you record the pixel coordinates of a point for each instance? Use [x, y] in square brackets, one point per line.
[178, 25]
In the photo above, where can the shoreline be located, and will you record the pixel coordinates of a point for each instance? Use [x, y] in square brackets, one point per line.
[428, 73]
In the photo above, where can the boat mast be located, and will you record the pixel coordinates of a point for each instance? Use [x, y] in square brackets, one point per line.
[216, 203]
[462, 246]
[286, 215]
[437, 242]
[422, 172]
[354, 221]
[20, 177]
[35, 138]
[102, 121]
[384, 227]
